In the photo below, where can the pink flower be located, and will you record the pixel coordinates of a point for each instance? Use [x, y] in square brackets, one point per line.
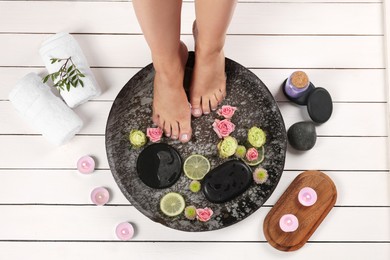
[154, 134]
[227, 111]
[252, 154]
[204, 214]
[223, 128]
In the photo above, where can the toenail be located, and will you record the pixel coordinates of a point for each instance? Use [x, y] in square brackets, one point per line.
[174, 137]
[167, 135]
[206, 113]
[184, 137]
[197, 111]
[214, 109]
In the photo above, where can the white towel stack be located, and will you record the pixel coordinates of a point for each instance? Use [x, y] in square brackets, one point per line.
[47, 113]
[63, 45]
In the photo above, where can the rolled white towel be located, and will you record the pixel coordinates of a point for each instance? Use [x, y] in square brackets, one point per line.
[63, 45]
[48, 114]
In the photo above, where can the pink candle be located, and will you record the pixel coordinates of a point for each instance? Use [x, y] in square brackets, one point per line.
[100, 196]
[307, 196]
[86, 164]
[124, 231]
[288, 223]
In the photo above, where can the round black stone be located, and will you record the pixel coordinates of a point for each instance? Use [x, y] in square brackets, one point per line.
[159, 166]
[302, 100]
[319, 105]
[302, 135]
[227, 181]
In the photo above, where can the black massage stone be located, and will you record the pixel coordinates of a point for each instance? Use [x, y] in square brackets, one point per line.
[319, 105]
[302, 135]
[159, 166]
[227, 181]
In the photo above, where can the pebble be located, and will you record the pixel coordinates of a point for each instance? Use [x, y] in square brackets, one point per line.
[319, 105]
[159, 166]
[302, 135]
[227, 181]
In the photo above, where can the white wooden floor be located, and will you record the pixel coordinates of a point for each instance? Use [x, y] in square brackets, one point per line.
[45, 211]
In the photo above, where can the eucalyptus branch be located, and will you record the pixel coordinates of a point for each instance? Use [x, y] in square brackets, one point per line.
[67, 76]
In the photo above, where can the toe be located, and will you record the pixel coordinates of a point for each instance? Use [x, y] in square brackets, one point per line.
[175, 130]
[185, 131]
[156, 120]
[220, 96]
[196, 109]
[205, 105]
[167, 129]
[214, 103]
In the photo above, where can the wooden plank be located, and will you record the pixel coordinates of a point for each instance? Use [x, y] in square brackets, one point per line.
[259, 51]
[98, 223]
[348, 119]
[190, 250]
[249, 18]
[345, 85]
[30, 187]
[329, 153]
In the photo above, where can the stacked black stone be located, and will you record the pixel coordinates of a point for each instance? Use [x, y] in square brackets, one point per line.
[302, 136]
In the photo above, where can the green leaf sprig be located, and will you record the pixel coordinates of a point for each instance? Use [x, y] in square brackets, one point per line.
[67, 76]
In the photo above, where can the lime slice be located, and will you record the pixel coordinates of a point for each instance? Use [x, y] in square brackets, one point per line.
[172, 204]
[196, 167]
[259, 159]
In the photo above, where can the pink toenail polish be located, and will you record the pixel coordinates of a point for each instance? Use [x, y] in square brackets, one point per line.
[197, 111]
[184, 137]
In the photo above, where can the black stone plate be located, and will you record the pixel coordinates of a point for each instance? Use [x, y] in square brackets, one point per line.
[132, 109]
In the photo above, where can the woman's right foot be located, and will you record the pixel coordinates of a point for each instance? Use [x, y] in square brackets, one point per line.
[171, 110]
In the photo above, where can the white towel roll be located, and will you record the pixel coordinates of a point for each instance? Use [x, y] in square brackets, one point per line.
[48, 114]
[63, 45]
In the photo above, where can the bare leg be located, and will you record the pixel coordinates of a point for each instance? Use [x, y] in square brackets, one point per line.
[208, 87]
[160, 23]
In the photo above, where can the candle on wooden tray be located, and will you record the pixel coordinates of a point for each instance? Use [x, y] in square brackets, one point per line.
[289, 223]
[307, 196]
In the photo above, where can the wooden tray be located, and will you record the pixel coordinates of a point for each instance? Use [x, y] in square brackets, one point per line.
[309, 217]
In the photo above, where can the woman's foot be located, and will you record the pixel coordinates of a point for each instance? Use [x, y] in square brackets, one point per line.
[171, 110]
[208, 86]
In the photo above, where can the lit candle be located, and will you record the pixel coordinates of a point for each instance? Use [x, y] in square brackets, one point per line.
[100, 196]
[86, 164]
[307, 196]
[124, 231]
[288, 223]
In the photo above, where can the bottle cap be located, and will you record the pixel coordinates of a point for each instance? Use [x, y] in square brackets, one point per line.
[299, 79]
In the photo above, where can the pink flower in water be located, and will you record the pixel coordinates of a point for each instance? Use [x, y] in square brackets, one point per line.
[154, 134]
[204, 214]
[227, 111]
[252, 154]
[223, 128]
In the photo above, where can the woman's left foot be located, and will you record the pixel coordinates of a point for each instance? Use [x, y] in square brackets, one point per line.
[208, 86]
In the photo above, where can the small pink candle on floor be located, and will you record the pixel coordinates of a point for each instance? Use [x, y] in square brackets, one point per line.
[100, 196]
[86, 164]
[307, 196]
[124, 231]
[288, 223]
